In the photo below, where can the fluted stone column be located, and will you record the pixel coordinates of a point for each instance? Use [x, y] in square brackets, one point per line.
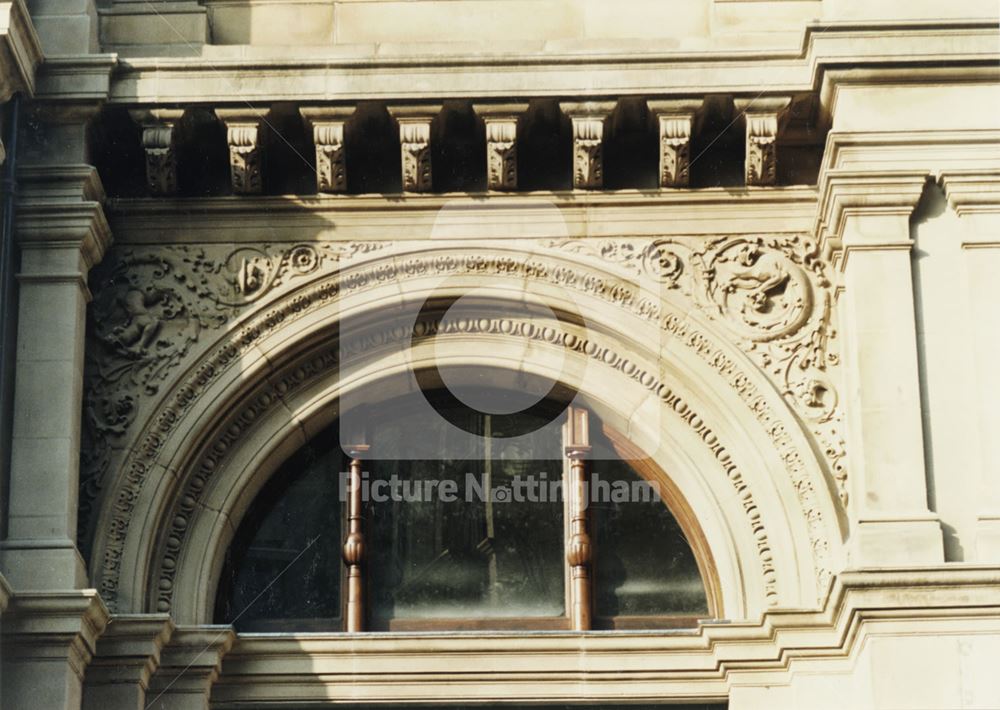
[588, 141]
[128, 653]
[189, 665]
[62, 233]
[867, 224]
[974, 195]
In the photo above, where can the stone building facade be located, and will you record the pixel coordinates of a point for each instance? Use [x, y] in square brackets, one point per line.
[758, 239]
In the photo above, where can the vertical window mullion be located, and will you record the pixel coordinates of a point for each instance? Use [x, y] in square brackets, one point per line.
[579, 552]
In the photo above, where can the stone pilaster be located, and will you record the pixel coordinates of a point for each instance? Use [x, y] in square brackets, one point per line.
[189, 665]
[47, 643]
[415, 145]
[128, 653]
[158, 143]
[245, 155]
[588, 141]
[501, 143]
[762, 116]
[865, 226]
[62, 233]
[974, 195]
[674, 119]
[328, 135]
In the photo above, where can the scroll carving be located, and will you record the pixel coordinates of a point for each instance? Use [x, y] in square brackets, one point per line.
[150, 308]
[772, 293]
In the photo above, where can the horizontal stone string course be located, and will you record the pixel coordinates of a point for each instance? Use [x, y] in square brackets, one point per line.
[420, 136]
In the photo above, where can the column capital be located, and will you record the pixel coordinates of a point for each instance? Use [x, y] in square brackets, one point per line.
[674, 107]
[587, 109]
[888, 195]
[126, 657]
[55, 626]
[501, 110]
[321, 113]
[190, 661]
[60, 207]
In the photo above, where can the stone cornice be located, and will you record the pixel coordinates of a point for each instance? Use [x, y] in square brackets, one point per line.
[20, 50]
[972, 191]
[191, 660]
[79, 79]
[130, 648]
[699, 663]
[710, 211]
[505, 72]
[845, 193]
[55, 625]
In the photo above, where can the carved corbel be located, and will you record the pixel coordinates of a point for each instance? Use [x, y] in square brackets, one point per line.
[158, 144]
[762, 115]
[501, 143]
[328, 135]
[245, 157]
[674, 120]
[415, 145]
[588, 138]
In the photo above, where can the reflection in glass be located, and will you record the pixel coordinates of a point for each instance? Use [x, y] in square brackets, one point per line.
[643, 563]
[472, 557]
[267, 577]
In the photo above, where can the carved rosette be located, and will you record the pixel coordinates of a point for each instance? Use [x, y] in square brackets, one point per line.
[158, 145]
[245, 155]
[588, 139]
[762, 117]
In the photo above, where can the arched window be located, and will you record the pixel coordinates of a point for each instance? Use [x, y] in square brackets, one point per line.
[479, 540]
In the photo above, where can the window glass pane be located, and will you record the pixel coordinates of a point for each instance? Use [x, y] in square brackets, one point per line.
[643, 563]
[474, 555]
[268, 580]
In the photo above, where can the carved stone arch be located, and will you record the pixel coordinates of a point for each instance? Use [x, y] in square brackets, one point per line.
[764, 502]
